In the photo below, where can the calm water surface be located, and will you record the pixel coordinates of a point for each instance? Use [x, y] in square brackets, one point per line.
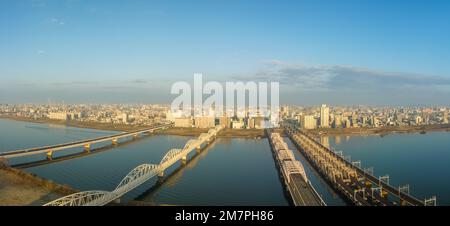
[230, 171]
[420, 160]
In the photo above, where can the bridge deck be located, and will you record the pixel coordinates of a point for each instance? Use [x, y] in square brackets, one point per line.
[300, 189]
[302, 192]
[38, 150]
[349, 190]
[387, 187]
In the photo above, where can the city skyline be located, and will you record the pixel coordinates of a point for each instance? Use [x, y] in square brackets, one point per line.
[341, 53]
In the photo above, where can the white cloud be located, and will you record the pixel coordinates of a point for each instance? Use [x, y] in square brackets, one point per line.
[346, 84]
[338, 77]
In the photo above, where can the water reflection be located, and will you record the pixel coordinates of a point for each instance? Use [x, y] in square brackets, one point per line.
[419, 160]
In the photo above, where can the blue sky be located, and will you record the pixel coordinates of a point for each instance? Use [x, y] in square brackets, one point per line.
[337, 52]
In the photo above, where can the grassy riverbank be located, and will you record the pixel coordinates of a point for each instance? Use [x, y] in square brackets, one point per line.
[19, 188]
[79, 124]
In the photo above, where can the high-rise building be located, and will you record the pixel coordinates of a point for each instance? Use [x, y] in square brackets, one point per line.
[225, 122]
[337, 121]
[308, 122]
[348, 123]
[183, 122]
[204, 122]
[259, 121]
[418, 120]
[375, 121]
[284, 111]
[324, 116]
[58, 115]
[125, 118]
[251, 123]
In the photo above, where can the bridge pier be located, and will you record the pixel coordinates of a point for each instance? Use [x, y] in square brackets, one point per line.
[384, 193]
[50, 155]
[184, 159]
[87, 147]
[161, 174]
[135, 136]
[115, 141]
[198, 148]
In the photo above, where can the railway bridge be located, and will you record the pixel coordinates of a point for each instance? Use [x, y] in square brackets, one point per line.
[293, 174]
[358, 185]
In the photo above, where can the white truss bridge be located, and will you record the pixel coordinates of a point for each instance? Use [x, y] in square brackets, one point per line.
[137, 176]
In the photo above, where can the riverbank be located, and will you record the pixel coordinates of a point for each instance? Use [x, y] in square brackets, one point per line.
[19, 188]
[381, 131]
[246, 133]
[79, 124]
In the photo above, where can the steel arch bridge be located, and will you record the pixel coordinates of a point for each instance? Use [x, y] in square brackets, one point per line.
[136, 177]
[79, 199]
[171, 157]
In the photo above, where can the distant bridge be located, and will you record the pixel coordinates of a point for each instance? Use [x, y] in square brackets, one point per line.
[49, 150]
[137, 176]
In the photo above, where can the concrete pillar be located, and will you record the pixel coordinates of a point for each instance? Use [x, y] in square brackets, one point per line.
[50, 155]
[384, 193]
[135, 136]
[183, 159]
[115, 141]
[161, 174]
[87, 147]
